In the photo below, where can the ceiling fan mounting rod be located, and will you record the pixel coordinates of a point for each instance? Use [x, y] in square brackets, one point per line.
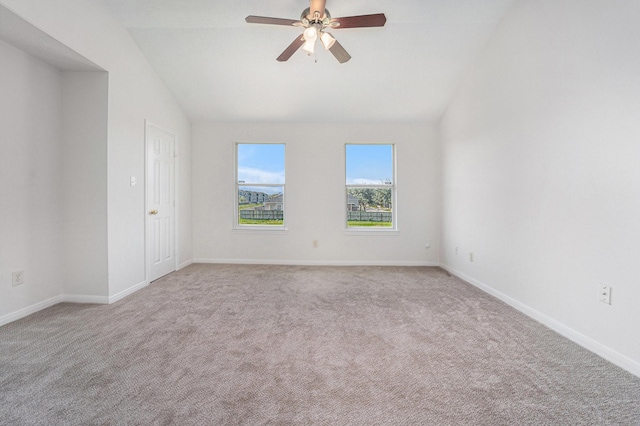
[316, 7]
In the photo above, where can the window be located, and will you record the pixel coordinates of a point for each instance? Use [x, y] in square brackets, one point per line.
[260, 185]
[370, 186]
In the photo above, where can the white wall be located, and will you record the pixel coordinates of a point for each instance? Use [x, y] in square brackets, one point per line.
[30, 181]
[315, 195]
[135, 94]
[541, 177]
[84, 185]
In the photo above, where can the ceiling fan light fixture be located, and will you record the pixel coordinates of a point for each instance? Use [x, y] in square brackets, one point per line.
[308, 47]
[310, 36]
[327, 40]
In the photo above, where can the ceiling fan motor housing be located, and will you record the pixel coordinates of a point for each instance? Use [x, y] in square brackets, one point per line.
[307, 19]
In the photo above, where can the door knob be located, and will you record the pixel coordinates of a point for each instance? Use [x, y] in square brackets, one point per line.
[153, 212]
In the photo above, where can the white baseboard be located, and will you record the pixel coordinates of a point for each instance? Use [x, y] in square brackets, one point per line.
[586, 342]
[103, 300]
[85, 298]
[317, 262]
[185, 264]
[21, 313]
[69, 298]
[125, 293]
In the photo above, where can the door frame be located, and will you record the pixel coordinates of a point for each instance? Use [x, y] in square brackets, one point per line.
[176, 249]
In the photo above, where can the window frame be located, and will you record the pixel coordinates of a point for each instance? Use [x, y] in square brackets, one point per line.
[370, 230]
[237, 226]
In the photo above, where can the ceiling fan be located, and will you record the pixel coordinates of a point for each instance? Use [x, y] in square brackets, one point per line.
[315, 19]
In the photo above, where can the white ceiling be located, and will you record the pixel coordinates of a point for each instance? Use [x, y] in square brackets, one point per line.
[220, 68]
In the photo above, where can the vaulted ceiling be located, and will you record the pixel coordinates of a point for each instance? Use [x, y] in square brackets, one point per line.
[220, 68]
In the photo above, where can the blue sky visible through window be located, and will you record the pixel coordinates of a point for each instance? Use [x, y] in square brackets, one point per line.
[261, 164]
[369, 164]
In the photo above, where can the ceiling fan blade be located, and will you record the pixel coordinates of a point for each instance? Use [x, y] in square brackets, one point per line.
[289, 51]
[338, 51]
[360, 21]
[271, 21]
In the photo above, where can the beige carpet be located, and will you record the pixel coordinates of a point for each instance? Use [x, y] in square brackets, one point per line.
[236, 344]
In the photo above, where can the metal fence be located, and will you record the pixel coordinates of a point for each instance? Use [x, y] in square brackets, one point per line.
[279, 215]
[261, 214]
[370, 216]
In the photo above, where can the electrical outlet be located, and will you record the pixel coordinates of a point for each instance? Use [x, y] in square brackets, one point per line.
[605, 294]
[471, 256]
[17, 278]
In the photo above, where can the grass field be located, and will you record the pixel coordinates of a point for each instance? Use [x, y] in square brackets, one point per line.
[361, 223]
[260, 222]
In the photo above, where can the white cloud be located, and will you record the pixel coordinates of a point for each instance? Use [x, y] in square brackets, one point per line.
[363, 181]
[250, 175]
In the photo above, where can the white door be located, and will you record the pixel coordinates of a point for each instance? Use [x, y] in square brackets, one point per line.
[160, 190]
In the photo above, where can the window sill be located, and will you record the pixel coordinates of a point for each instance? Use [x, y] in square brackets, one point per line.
[260, 230]
[371, 232]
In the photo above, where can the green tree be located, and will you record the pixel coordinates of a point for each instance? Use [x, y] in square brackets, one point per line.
[382, 197]
[364, 196]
